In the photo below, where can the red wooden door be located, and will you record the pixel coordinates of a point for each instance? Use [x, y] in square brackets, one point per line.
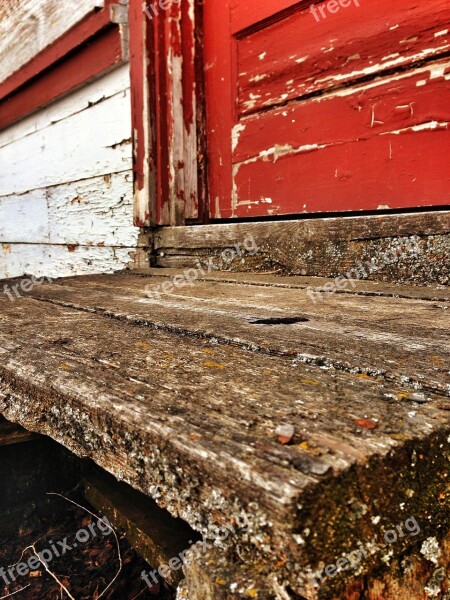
[342, 105]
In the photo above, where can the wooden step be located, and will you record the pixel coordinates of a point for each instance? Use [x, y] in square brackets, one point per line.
[305, 438]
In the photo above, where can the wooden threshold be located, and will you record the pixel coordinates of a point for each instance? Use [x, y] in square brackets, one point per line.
[324, 247]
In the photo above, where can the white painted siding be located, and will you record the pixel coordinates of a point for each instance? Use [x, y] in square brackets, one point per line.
[66, 189]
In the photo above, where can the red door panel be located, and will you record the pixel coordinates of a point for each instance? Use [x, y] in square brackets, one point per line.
[347, 113]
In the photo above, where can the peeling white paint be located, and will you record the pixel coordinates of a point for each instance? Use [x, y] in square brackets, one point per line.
[66, 198]
[429, 126]
[35, 24]
[399, 60]
[235, 134]
[257, 78]
[433, 71]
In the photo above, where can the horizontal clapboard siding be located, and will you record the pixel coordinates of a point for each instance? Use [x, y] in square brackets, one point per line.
[61, 261]
[66, 185]
[89, 143]
[92, 212]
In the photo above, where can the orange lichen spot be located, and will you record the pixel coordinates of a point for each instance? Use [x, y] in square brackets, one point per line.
[436, 361]
[213, 365]
[65, 367]
[310, 449]
[366, 423]
[143, 345]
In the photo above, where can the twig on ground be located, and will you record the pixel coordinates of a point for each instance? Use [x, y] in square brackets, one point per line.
[108, 525]
[62, 586]
[16, 592]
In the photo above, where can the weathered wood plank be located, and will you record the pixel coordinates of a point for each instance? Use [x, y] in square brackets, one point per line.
[274, 68]
[11, 434]
[196, 429]
[348, 115]
[363, 287]
[413, 165]
[153, 532]
[92, 93]
[325, 247]
[404, 341]
[64, 151]
[329, 229]
[52, 260]
[90, 212]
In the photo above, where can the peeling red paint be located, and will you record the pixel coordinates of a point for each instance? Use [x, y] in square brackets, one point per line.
[351, 113]
[79, 62]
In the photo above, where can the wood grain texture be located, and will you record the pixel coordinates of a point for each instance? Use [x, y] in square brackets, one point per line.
[325, 247]
[192, 422]
[333, 330]
[82, 65]
[69, 185]
[35, 162]
[338, 144]
[53, 260]
[359, 287]
[105, 87]
[152, 532]
[90, 212]
[301, 56]
[403, 578]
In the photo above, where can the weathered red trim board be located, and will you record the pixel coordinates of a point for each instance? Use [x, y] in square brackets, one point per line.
[90, 48]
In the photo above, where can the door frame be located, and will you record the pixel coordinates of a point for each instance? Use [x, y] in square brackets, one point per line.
[166, 67]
